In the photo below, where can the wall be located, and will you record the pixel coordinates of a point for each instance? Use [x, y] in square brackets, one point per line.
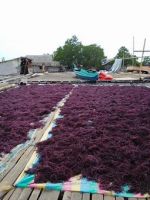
[53, 69]
[10, 67]
[36, 69]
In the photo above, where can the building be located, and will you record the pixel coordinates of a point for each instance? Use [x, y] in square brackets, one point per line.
[30, 64]
[44, 63]
[15, 66]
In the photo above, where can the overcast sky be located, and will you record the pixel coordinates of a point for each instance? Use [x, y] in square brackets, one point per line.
[40, 26]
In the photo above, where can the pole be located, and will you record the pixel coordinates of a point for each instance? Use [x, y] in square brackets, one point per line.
[139, 51]
[123, 60]
[133, 52]
[142, 57]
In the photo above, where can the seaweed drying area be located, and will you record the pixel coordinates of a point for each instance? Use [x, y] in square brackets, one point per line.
[104, 135]
[23, 108]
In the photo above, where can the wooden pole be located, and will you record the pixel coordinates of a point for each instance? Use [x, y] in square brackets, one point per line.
[123, 60]
[142, 57]
[133, 52]
[141, 51]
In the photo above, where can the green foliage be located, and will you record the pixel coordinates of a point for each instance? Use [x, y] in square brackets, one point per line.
[146, 61]
[69, 53]
[59, 55]
[136, 62]
[129, 59]
[124, 53]
[92, 55]
[74, 52]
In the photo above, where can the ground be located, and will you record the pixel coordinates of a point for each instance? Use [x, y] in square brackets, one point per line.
[70, 76]
[64, 76]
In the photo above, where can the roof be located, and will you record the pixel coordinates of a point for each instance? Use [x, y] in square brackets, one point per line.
[45, 59]
[13, 59]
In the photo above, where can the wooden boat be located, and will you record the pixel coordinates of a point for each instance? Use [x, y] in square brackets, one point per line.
[86, 74]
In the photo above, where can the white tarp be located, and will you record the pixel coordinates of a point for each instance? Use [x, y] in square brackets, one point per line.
[117, 65]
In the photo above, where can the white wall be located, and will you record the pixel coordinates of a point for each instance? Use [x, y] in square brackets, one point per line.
[10, 67]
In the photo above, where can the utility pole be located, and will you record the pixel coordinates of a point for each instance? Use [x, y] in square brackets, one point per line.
[123, 60]
[142, 51]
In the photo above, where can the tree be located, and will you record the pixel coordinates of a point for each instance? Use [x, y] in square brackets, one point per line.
[124, 53]
[92, 55]
[73, 52]
[59, 55]
[146, 61]
[70, 53]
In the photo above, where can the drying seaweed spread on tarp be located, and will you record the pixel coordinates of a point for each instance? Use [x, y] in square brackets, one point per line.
[23, 109]
[104, 135]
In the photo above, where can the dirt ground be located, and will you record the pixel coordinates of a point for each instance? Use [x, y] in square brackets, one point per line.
[70, 76]
[64, 76]
[128, 76]
[60, 76]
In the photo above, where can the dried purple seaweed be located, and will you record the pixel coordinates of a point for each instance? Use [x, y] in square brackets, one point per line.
[21, 109]
[104, 135]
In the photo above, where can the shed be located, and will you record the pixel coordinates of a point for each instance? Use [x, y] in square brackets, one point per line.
[44, 63]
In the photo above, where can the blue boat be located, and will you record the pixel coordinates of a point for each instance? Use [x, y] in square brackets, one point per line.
[86, 74]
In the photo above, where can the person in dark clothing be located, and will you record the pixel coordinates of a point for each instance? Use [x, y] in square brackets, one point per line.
[24, 66]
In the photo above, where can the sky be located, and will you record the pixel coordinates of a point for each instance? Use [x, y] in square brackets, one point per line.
[33, 27]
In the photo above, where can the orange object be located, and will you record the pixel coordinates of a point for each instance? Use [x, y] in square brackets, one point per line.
[105, 77]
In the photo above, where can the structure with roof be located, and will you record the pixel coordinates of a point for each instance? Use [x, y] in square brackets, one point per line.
[44, 63]
[15, 66]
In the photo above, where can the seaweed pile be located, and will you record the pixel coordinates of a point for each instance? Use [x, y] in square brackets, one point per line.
[22, 109]
[104, 135]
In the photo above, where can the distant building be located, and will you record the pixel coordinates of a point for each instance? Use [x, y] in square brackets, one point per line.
[44, 63]
[15, 66]
[30, 64]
